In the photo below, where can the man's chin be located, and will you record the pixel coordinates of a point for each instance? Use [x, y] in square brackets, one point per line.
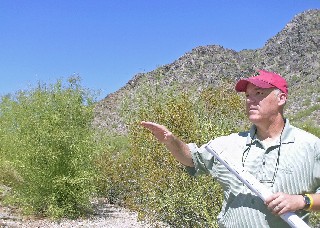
[254, 119]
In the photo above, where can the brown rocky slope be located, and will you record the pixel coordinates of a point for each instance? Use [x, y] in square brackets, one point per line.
[293, 52]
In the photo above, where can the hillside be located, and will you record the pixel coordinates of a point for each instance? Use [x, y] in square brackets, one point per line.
[293, 52]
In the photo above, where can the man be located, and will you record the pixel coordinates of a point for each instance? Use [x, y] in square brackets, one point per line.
[283, 157]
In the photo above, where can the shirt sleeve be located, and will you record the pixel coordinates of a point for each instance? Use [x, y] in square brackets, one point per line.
[204, 162]
[316, 170]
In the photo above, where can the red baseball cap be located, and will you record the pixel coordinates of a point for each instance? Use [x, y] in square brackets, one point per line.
[265, 80]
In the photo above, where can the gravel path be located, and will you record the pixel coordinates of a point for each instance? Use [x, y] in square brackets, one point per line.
[106, 215]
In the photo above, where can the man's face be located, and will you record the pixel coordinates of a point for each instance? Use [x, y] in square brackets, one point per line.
[261, 104]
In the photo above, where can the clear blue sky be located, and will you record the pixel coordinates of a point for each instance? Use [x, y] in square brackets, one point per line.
[107, 42]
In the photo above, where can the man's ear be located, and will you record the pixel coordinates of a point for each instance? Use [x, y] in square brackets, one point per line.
[282, 97]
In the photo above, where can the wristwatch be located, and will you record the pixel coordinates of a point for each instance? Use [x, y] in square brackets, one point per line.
[307, 201]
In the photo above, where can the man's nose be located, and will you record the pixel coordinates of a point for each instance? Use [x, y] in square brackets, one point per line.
[250, 99]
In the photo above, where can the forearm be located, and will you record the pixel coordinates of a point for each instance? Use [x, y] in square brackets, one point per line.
[179, 150]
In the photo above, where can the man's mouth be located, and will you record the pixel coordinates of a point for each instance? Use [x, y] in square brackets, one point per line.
[252, 108]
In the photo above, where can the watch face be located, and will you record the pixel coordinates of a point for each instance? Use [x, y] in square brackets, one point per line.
[307, 201]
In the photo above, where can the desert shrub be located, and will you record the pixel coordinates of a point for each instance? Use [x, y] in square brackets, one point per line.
[148, 178]
[111, 164]
[47, 146]
[305, 113]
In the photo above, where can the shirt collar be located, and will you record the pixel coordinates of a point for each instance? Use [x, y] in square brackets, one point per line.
[286, 137]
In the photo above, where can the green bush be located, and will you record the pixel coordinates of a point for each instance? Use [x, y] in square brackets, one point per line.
[48, 147]
[147, 178]
[305, 113]
[111, 165]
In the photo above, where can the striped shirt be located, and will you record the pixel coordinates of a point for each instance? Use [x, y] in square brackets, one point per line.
[290, 164]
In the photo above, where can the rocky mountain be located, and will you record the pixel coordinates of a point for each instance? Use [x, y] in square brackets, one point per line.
[293, 53]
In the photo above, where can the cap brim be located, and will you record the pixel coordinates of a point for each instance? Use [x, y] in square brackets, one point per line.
[242, 84]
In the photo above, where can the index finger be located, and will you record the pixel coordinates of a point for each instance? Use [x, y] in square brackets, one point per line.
[154, 127]
[272, 197]
[150, 125]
